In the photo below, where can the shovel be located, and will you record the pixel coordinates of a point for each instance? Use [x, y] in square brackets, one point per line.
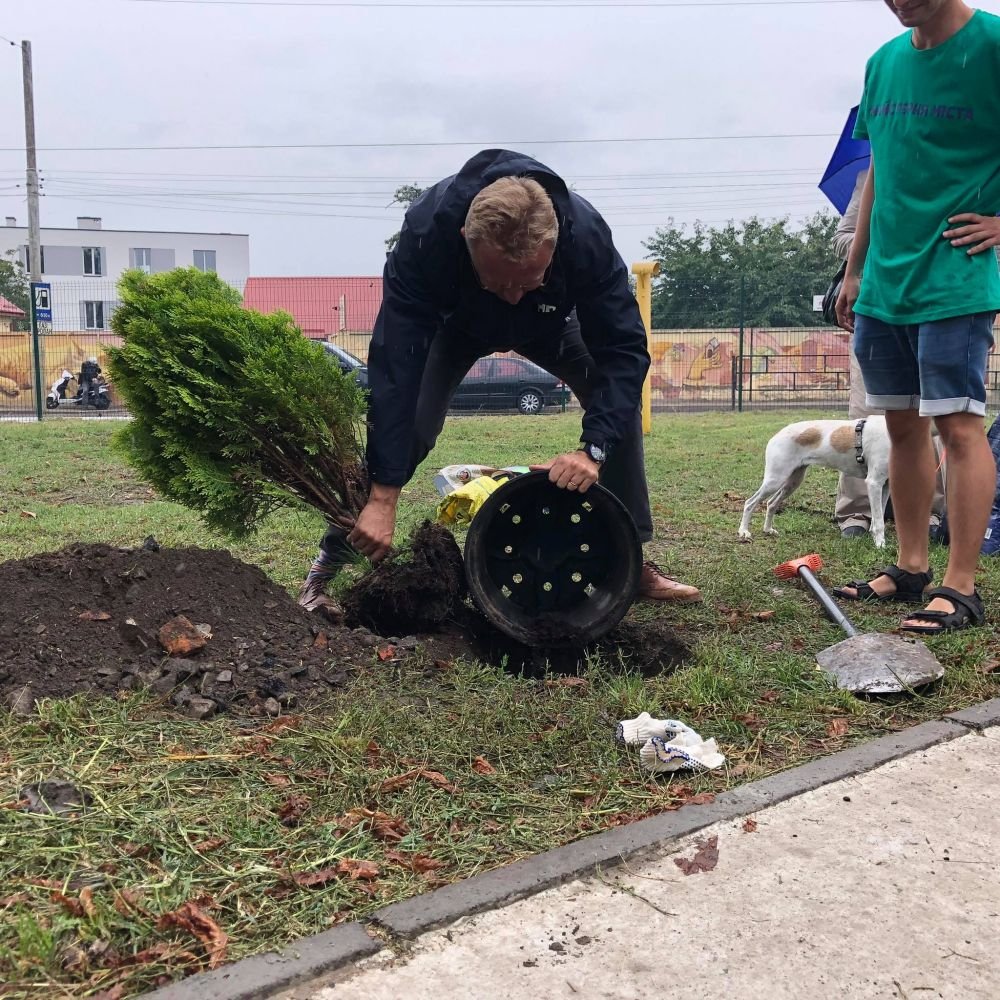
[875, 663]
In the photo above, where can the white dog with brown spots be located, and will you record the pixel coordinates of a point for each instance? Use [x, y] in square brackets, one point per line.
[858, 448]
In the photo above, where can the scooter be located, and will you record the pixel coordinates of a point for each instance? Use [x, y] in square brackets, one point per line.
[92, 389]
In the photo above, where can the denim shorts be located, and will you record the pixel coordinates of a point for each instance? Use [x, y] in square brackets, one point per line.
[937, 368]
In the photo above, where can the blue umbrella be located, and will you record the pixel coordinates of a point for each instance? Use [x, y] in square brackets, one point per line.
[849, 157]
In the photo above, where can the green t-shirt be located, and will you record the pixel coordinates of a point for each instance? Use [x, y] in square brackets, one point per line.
[933, 118]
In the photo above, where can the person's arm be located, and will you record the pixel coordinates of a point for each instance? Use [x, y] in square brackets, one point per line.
[614, 333]
[844, 236]
[405, 326]
[859, 252]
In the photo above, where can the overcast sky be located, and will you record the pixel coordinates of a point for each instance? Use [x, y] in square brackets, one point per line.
[392, 79]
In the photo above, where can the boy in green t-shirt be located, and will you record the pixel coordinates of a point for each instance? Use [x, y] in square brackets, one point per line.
[922, 314]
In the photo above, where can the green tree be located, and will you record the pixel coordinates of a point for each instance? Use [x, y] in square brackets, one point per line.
[14, 287]
[234, 414]
[764, 268]
[405, 196]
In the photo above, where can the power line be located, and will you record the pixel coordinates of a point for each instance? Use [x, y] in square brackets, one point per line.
[486, 4]
[4, 38]
[395, 178]
[507, 143]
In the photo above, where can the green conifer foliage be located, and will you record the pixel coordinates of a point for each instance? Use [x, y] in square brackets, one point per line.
[234, 414]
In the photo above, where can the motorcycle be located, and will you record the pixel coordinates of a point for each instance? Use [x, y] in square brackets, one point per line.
[92, 389]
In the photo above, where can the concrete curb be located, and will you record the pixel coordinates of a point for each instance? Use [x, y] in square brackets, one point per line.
[979, 717]
[261, 976]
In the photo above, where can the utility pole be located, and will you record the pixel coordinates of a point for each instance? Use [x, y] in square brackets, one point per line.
[34, 235]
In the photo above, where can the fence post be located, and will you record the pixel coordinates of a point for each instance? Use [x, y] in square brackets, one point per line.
[40, 307]
[739, 385]
[644, 272]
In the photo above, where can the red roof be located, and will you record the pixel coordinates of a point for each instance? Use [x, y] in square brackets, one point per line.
[322, 307]
[7, 308]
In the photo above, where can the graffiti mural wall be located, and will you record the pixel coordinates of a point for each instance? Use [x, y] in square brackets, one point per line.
[59, 351]
[703, 366]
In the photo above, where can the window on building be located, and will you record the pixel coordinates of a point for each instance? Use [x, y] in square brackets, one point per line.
[204, 260]
[93, 262]
[94, 315]
[142, 258]
[26, 259]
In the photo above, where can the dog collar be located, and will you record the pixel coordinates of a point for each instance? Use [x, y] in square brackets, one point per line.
[859, 452]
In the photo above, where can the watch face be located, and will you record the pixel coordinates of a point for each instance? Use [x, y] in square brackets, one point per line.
[597, 454]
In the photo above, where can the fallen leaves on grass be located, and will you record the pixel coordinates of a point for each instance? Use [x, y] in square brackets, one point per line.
[769, 696]
[128, 902]
[403, 780]
[482, 766]
[211, 844]
[353, 868]
[836, 727]
[28, 513]
[763, 616]
[988, 667]
[390, 829]
[386, 653]
[292, 809]
[72, 906]
[419, 863]
[749, 825]
[277, 780]
[705, 858]
[285, 722]
[195, 921]
[701, 799]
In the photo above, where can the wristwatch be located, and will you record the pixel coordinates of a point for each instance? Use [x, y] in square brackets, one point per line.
[594, 452]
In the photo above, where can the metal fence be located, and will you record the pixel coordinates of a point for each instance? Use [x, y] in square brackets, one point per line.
[751, 364]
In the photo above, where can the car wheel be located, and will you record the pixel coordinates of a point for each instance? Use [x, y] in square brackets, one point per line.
[530, 402]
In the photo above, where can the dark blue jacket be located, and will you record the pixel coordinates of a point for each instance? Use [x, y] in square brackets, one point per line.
[429, 284]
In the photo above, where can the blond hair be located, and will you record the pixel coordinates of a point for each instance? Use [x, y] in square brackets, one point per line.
[515, 216]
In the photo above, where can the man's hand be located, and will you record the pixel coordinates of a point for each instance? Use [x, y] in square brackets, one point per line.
[575, 470]
[983, 230]
[372, 532]
[845, 301]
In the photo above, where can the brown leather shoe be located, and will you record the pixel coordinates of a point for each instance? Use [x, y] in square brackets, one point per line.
[655, 585]
[312, 598]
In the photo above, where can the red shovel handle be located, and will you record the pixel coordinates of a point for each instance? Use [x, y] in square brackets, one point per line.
[790, 570]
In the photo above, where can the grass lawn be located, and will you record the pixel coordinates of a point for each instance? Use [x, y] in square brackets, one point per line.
[188, 812]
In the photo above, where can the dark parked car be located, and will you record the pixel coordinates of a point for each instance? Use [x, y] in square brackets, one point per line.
[492, 384]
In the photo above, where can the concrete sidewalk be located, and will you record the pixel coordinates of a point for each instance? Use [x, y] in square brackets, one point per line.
[880, 885]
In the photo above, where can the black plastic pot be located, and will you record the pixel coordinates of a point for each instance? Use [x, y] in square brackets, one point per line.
[552, 567]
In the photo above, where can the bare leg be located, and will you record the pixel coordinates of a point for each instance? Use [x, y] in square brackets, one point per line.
[971, 484]
[912, 469]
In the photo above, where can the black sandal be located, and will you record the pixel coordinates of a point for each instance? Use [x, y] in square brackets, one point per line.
[968, 612]
[910, 587]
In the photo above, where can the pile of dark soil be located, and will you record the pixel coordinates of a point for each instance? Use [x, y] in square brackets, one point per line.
[89, 617]
[86, 619]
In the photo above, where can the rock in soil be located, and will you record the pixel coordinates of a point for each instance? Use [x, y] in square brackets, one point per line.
[414, 590]
[260, 636]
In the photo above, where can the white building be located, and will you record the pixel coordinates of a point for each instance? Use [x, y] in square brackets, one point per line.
[83, 264]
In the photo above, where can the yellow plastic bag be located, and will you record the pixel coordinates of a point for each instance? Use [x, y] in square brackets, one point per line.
[461, 506]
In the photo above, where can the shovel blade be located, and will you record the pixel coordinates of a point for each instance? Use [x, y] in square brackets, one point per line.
[880, 664]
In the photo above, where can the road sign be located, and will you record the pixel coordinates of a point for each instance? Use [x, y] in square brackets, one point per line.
[41, 296]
